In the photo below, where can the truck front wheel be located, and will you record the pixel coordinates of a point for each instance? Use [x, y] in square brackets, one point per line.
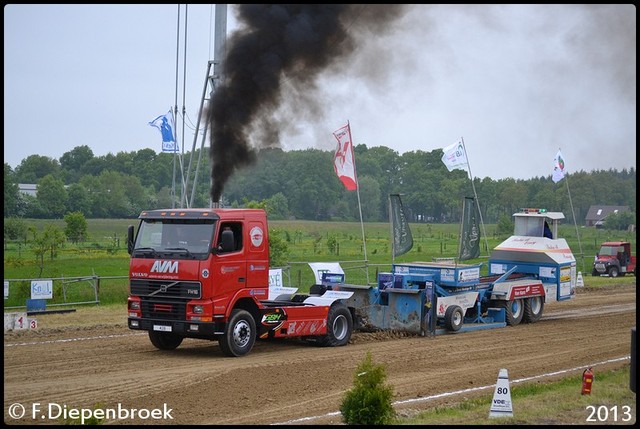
[165, 340]
[613, 272]
[240, 335]
[533, 308]
[339, 326]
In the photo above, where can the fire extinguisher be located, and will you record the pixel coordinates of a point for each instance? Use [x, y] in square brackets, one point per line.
[587, 381]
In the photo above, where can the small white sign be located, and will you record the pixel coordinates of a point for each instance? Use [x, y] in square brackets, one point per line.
[325, 267]
[162, 328]
[41, 289]
[501, 405]
[275, 277]
[6, 289]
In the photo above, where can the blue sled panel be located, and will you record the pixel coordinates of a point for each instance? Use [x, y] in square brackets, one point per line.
[392, 309]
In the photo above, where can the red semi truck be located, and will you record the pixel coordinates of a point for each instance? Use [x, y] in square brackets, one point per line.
[204, 273]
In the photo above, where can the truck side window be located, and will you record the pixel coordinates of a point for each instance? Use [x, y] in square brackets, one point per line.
[233, 233]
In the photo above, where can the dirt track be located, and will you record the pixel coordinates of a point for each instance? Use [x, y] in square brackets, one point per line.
[106, 365]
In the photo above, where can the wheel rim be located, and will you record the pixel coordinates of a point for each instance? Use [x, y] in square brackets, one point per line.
[536, 304]
[516, 308]
[340, 327]
[241, 334]
[457, 318]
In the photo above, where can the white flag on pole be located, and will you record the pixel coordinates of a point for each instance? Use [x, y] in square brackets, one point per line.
[558, 168]
[343, 160]
[455, 156]
[164, 123]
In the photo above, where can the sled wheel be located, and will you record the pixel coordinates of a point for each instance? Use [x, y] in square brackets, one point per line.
[453, 318]
[513, 311]
[533, 308]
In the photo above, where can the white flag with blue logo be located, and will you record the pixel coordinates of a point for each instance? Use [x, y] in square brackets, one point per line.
[164, 123]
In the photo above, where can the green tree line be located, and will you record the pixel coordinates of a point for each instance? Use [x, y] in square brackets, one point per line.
[298, 184]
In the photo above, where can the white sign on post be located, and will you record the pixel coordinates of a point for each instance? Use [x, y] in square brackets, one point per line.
[41, 289]
[6, 289]
[325, 267]
[275, 277]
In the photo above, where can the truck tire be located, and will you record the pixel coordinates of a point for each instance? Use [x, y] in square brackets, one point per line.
[339, 326]
[613, 272]
[165, 340]
[514, 311]
[533, 308]
[453, 318]
[595, 272]
[240, 335]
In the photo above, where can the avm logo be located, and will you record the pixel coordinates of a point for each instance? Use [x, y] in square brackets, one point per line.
[165, 267]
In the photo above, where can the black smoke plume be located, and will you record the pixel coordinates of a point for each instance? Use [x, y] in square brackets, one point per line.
[276, 44]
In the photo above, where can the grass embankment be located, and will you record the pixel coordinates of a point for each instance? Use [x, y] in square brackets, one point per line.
[554, 403]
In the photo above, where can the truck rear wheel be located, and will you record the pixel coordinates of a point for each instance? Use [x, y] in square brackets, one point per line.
[513, 311]
[339, 326]
[453, 318]
[533, 308]
[165, 340]
[240, 335]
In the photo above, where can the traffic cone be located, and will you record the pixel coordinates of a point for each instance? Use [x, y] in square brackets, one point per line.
[501, 405]
[579, 280]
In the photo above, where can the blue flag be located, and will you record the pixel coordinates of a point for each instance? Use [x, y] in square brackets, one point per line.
[164, 123]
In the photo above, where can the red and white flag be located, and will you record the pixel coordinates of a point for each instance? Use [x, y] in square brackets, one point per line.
[343, 161]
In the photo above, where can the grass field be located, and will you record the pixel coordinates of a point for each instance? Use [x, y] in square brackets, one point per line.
[104, 254]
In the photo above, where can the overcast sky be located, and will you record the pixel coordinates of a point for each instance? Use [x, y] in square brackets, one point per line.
[517, 82]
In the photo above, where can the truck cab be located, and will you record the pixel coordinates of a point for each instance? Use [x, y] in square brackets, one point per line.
[204, 274]
[614, 259]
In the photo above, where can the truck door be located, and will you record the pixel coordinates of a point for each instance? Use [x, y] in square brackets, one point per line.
[229, 268]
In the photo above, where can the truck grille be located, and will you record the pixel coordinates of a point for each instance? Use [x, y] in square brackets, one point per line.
[166, 289]
[163, 310]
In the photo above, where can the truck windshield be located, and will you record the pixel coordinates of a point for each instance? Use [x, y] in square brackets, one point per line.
[174, 238]
[529, 226]
[608, 251]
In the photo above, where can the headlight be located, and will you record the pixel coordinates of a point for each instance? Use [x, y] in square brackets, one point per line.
[198, 309]
[134, 305]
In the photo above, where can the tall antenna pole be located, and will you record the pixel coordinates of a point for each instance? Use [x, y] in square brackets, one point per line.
[175, 112]
[484, 232]
[355, 172]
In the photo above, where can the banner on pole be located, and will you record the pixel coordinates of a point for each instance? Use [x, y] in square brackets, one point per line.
[470, 231]
[343, 160]
[402, 238]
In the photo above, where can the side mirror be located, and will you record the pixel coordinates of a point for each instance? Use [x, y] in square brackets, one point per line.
[130, 239]
[227, 241]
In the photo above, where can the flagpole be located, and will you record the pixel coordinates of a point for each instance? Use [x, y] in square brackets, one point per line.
[464, 201]
[575, 222]
[484, 232]
[355, 173]
[393, 248]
